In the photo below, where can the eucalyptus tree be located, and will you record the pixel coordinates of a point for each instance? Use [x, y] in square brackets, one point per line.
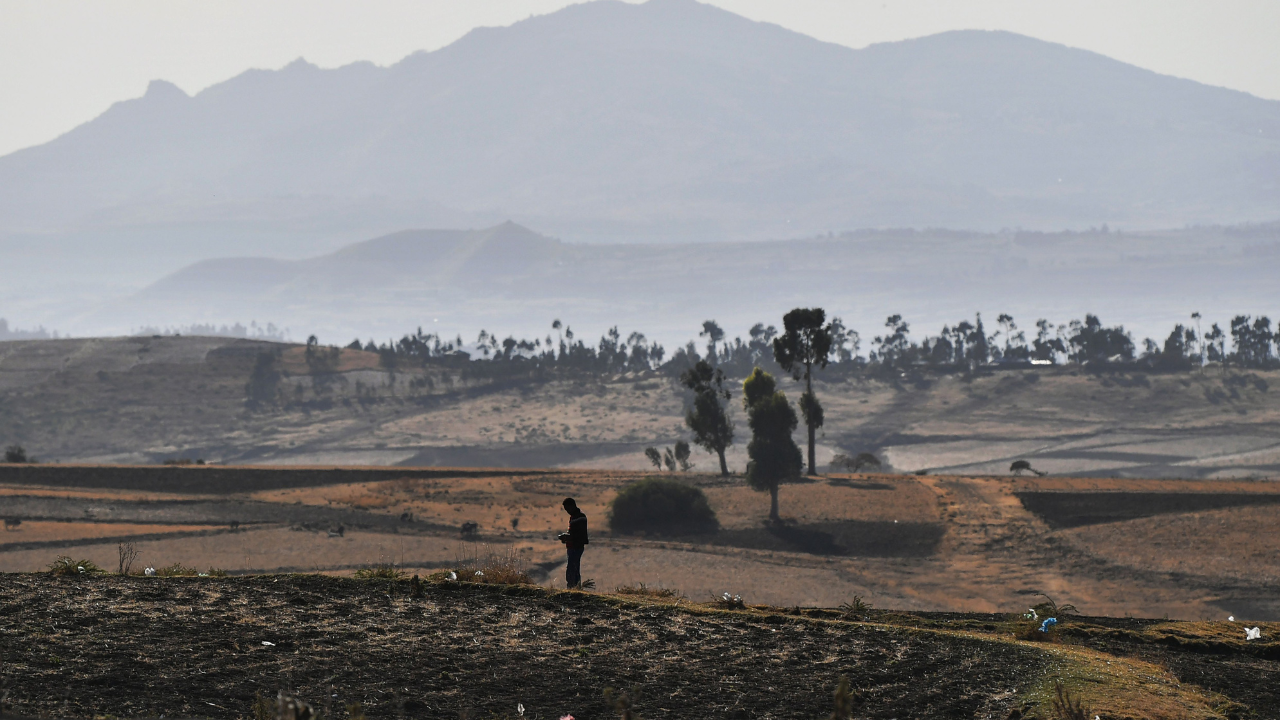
[805, 341]
[708, 418]
[773, 455]
[712, 331]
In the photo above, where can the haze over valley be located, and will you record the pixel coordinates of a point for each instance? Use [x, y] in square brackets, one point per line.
[510, 280]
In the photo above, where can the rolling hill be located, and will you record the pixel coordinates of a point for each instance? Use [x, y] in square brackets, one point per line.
[148, 399]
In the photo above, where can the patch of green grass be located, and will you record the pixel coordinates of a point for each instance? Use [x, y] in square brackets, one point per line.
[66, 565]
[176, 570]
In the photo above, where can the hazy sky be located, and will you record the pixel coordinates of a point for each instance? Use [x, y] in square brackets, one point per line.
[65, 61]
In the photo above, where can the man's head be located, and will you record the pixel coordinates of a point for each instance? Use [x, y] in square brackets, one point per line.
[570, 506]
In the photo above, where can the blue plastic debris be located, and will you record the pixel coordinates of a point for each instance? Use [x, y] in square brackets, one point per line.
[1044, 626]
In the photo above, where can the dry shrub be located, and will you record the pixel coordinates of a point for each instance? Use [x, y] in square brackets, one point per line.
[844, 697]
[1030, 630]
[263, 709]
[1066, 707]
[1032, 624]
[127, 555]
[624, 703]
[642, 590]
[503, 567]
[381, 571]
[855, 609]
[1050, 608]
[284, 707]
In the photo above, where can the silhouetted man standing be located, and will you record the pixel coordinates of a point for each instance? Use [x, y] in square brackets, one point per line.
[575, 541]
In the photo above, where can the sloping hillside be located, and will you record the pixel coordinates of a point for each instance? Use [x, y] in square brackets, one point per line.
[150, 399]
[509, 279]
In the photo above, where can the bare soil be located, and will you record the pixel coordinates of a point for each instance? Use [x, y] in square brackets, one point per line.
[926, 543]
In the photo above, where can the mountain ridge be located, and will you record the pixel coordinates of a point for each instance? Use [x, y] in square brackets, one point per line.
[677, 119]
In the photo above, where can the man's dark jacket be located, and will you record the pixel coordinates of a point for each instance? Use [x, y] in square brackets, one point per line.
[578, 531]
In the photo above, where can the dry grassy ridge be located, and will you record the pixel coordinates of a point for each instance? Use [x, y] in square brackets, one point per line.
[203, 647]
[146, 399]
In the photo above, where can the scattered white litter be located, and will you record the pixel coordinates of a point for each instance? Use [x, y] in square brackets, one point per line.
[1253, 633]
[268, 644]
[520, 709]
[1231, 618]
[149, 572]
[479, 574]
[453, 575]
[80, 568]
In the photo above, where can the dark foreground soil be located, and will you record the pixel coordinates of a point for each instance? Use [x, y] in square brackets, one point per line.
[131, 646]
[195, 647]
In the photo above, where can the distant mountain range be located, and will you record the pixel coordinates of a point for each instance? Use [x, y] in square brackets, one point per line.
[641, 127]
[668, 120]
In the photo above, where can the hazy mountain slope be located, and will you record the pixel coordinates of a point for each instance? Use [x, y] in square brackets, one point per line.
[668, 119]
[509, 279]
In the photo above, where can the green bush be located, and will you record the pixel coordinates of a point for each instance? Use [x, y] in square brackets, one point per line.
[662, 506]
[66, 565]
[176, 570]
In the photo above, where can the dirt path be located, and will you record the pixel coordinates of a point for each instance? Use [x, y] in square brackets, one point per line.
[995, 553]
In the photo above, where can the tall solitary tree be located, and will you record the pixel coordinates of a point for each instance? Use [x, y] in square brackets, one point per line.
[774, 457]
[805, 342]
[709, 416]
[1200, 339]
[712, 331]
